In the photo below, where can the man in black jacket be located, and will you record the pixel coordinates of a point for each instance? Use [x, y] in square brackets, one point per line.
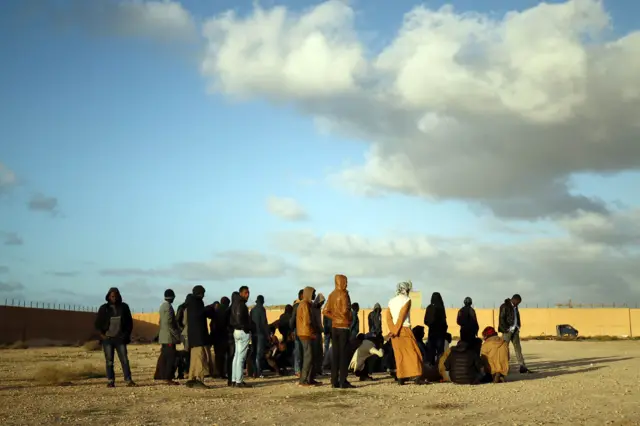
[509, 325]
[201, 363]
[468, 321]
[219, 337]
[240, 322]
[260, 335]
[375, 321]
[115, 324]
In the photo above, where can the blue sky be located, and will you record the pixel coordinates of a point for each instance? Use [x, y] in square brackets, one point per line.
[138, 167]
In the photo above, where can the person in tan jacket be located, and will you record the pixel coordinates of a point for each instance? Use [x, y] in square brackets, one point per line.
[306, 331]
[338, 310]
[495, 355]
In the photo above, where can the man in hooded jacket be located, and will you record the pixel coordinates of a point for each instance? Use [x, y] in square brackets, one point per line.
[306, 330]
[375, 321]
[316, 311]
[338, 310]
[220, 336]
[201, 362]
[297, 350]
[260, 335]
[114, 322]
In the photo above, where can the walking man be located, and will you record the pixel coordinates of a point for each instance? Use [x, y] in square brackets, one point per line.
[510, 324]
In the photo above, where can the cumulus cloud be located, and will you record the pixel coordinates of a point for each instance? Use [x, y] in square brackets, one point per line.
[544, 270]
[227, 265]
[497, 111]
[43, 203]
[11, 239]
[162, 20]
[7, 178]
[286, 208]
[620, 229]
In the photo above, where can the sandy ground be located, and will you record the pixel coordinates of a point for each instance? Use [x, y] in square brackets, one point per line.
[576, 382]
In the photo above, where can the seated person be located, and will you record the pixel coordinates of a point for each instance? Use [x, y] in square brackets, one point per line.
[495, 355]
[418, 333]
[464, 364]
[443, 373]
[276, 356]
[361, 361]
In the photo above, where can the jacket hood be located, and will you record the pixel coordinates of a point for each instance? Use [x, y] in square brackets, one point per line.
[308, 294]
[377, 307]
[341, 282]
[235, 297]
[436, 299]
[320, 299]
[507, 301]
[114, 290]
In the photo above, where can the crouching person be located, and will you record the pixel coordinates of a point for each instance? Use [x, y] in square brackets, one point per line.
[362, 361]
[495, 355]
[464, 364]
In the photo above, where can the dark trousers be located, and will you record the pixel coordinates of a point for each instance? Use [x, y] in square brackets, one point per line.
[340, 361]
[317, 354]
[110, 347]
[435, 349]
[167, 363]
[259, 342]
[231, 351]
[306, 372]
[221, 348]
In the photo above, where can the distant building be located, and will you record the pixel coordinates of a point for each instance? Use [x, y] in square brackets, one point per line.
[416, 299]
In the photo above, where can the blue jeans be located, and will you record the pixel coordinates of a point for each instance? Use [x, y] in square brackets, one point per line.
[242, 340]
[297, 356]
[259, 343]
[110, 347]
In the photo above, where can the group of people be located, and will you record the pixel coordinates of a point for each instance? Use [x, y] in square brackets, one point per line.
[228, 340]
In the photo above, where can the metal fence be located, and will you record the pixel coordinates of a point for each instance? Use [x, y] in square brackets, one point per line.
[49, 305]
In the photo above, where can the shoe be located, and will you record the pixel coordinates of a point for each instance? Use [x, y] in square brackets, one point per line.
[304, 384]
[111, 385]
[366, 379]
[230, 384]
[420, 381]
[315, 383]
[189, 383]
[347, 385]
[525, 370]
[131, 384]
[242, 385]
[197, 384]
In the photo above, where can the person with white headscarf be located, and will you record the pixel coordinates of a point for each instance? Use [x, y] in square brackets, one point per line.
[407, 354]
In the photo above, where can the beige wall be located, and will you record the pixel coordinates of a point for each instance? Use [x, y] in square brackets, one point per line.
[30, 323]
[24, 324]
[536, 322]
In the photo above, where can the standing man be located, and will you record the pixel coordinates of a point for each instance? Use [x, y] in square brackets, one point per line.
[168, 337]
[201, 363]
[307, 333]
[468, 322]
[355, 320]
[220, 337]
[316, 310]
[115, 324]
[241, 324]
[338, 310]
[375, 321]
[509, 325]
[297, 349]
[261, 336]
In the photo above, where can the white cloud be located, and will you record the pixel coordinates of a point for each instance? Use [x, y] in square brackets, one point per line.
[497, 111]
[543, 270]
[620, 229]
[7, 178]
[286, 208]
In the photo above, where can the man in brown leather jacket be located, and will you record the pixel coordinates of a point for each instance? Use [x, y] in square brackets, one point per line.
[307, 334]
[338, 309]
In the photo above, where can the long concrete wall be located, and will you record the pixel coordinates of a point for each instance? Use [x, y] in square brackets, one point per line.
[536, 322]
[28, 324]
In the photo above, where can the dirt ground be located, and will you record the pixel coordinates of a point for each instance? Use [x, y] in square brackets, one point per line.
[576, 382]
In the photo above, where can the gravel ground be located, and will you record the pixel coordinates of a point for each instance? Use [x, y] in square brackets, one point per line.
[576, 382]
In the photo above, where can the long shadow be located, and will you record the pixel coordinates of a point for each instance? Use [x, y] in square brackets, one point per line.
[547, 374]
[578, 362]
